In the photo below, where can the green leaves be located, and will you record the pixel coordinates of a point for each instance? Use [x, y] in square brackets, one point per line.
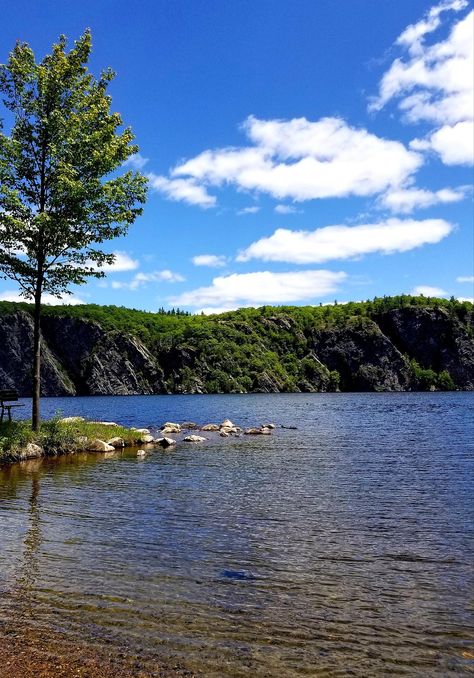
[59, 194]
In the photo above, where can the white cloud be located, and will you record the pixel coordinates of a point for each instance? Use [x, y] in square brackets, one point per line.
[137, 161]
[213, 260]
[263, 287]
[412, 36]
[344, 242]
[453, 143]
[49, 299]
[302, 160]
[428, 291]
[123, 262]
[249, 210]
[286, 209]
[405, 200]
[469, 299]
[185, 190]
[142, 279]
[435, 84]
[465, 279]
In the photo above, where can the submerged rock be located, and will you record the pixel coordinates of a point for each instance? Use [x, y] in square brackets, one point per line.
[141, 453]
[257, 431]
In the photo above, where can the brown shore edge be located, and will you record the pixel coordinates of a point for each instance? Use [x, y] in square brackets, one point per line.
[27, 652]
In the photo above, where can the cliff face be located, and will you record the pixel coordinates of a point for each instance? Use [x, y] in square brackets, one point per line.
[263, 350]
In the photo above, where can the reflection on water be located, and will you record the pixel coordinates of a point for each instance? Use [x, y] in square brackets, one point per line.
[344, 547]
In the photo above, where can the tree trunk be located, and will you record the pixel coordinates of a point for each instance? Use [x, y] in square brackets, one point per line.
[36, 417]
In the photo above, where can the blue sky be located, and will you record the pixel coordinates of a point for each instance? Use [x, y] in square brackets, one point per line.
[298, 152]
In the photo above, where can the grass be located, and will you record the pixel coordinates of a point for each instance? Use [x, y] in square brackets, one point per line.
[55, 437]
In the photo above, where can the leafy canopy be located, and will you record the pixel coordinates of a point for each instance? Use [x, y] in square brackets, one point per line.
[58, 193]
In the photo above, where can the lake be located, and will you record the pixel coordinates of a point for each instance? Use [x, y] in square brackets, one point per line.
[344, 547]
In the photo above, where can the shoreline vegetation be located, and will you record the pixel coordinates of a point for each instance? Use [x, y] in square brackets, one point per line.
[70, 435]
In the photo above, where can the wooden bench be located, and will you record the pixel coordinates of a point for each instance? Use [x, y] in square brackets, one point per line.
[8, 396]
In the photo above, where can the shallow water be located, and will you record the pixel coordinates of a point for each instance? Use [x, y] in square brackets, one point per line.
[341, 548]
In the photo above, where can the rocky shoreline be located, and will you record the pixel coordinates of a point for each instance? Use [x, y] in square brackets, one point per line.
[170, 434]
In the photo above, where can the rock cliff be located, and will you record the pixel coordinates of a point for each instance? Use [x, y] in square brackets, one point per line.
[397, 344]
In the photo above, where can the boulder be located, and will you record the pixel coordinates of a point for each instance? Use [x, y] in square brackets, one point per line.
[165, 442]
[224, 434]
[170, 424]
[97, 445]
[170, 429]
[141, 453]
[210, 427]
[194, 439]
[190, 425]
[71, 420]
[145, 431]
[145, 439]
[227, 424]
[230, 429]
[81, 441]
[116, 442]
[268, 425]
[33, 451]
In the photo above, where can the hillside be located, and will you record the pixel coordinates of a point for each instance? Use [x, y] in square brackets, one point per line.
[388, 344]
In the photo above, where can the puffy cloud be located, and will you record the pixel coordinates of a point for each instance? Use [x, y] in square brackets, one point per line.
[465, 279]
[469, 299]
[405, 200]
[212, 260]
[184, 190]
[302, 160]
[49, 299]
[344, 242]
[453, 143]
[428, 291]
[435, 84]
[142, 279]
[123, 262]
[263, 287]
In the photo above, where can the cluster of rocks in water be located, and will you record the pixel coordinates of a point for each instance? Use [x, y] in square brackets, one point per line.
[143, 436]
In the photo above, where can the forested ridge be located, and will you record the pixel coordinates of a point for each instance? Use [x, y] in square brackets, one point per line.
[390, 343]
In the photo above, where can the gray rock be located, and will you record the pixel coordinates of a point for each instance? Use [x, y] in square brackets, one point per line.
[194, 439]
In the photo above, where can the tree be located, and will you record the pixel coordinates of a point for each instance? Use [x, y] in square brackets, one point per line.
[59, 193]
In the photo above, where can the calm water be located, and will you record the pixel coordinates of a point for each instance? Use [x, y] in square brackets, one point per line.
[342, 548]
